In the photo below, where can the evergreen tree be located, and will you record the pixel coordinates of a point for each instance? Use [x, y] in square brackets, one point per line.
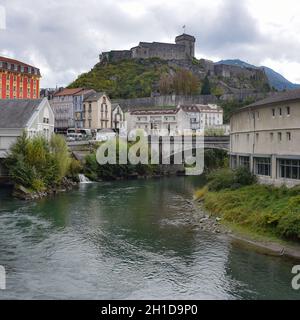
[206, 89]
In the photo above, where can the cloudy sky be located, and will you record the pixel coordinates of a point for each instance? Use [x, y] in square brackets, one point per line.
[64, 37]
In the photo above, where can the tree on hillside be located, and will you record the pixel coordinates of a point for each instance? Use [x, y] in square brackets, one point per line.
[206, 89]
[185, 83]
[165, 84]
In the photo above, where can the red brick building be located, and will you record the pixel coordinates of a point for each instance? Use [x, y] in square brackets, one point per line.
[18, 80]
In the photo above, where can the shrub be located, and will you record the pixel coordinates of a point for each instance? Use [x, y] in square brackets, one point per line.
[36, 165]
[230, 179]
[289, 226]
[221, 179]
[244, 177]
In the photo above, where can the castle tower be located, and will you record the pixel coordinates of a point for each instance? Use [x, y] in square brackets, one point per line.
[189, 43]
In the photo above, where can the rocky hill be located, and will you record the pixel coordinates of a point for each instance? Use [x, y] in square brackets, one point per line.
[276, 80]
[133, 78]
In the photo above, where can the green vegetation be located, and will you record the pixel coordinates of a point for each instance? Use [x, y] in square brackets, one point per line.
[37, 164]
[125, 79]
[230, 106]
[183, 82]
[215, 159]
[206, 88]
[259, 209]
[94, 171]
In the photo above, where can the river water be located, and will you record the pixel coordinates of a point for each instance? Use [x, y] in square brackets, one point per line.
[128, 240]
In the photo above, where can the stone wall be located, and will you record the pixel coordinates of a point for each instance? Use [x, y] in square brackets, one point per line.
[173, 100]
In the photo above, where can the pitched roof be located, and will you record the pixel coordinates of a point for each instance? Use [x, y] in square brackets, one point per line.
[154, 111]
[16, 113]
[95, 96]
[84, 92]
[280, 97]
[68, 92]
[13, 61]
[288, 96]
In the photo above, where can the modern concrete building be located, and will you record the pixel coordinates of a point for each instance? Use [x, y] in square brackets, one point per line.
[97, 111]
[265, 138]
[34, 116]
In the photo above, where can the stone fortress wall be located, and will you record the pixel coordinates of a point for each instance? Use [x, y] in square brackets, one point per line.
[182, 49]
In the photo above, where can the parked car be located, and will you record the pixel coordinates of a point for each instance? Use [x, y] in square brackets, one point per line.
[105, 135]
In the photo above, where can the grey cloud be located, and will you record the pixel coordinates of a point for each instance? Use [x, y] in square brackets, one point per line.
[65, 37]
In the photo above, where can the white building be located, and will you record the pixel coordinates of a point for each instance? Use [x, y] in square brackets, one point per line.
[33, 116]
[175, 121]
[117, 117]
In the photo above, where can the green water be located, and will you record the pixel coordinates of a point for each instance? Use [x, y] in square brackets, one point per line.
[128, 240]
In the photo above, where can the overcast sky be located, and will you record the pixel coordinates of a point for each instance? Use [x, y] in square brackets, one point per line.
[65, 37]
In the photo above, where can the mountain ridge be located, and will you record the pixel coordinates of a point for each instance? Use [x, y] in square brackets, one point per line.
[277, 81]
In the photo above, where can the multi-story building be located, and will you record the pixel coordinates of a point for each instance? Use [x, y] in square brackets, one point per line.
[63, 107]
[18, 80]
[117, 117]
[176, 121]
[34, 116]
[97, 111]
[265, 138]
[78, 107]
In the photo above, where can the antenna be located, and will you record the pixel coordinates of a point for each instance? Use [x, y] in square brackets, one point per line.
[184, 27]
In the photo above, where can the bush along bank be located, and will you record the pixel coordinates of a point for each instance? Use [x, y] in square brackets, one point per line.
[236, 198]
[96, 172]
[39, 167]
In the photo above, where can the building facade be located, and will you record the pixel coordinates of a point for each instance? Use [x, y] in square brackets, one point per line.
[117, 117]
[63, 107]
[265, 138]
[97, 111]
[78, 99]
[18, 80]
[34, 116]
[182, 49]
[176, 121]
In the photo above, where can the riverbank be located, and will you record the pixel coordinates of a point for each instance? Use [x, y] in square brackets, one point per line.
[261, 217]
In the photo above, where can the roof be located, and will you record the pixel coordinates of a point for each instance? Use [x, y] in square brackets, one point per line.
[68, 92]
[95, 96]
[200, 107]
[288, 96]
[154, 111]
[13, 61]
[15, 113]
[84, 92]
[114, 106]
[19, 64]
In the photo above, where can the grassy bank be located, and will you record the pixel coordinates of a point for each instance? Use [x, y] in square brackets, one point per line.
[257, 209]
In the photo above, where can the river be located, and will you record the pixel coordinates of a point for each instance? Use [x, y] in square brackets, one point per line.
[128, 240]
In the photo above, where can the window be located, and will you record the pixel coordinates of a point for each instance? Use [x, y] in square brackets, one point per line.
[245, 162]
[288, 111]
[248, 137]
[258, 115]
[257, 137]
[233, 162]
[289, 169]
[288, 136]
[273, 112]
[279, 136]
[271, 136]
[262, 166]
[280, 111]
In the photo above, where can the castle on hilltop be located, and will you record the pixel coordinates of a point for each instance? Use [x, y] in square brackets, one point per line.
[182, 49]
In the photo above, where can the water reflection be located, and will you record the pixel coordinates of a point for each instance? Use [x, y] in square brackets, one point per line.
[126, 240]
